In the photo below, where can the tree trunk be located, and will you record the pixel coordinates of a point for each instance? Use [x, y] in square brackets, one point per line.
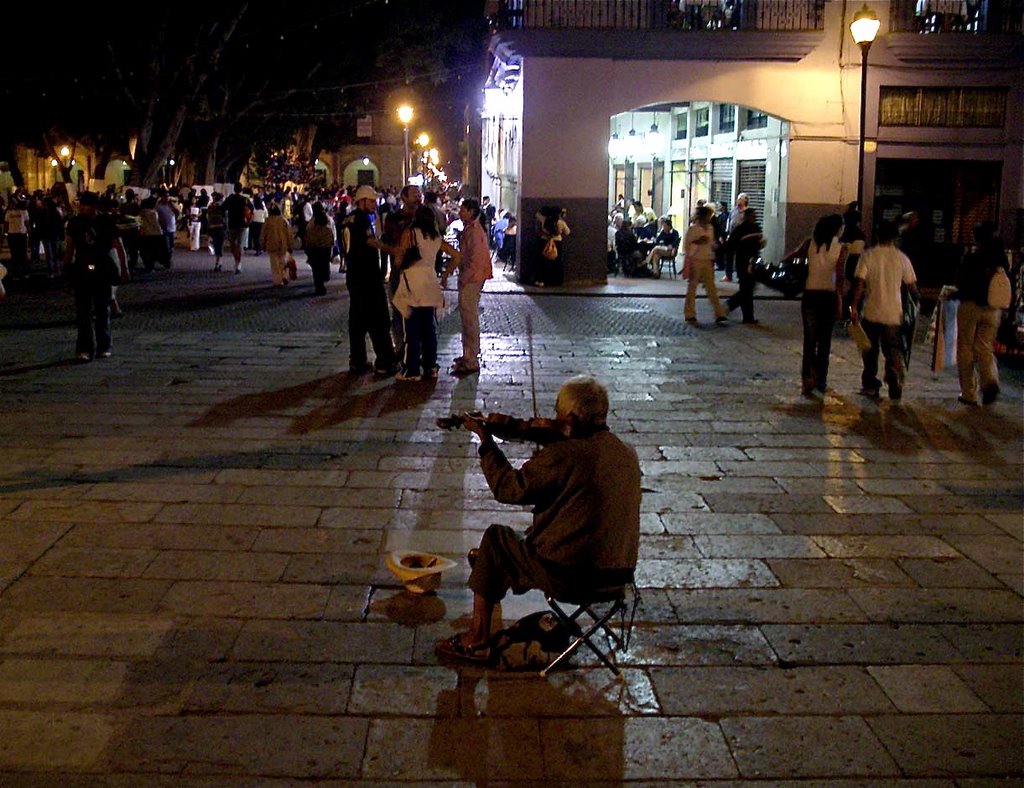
[206, 161]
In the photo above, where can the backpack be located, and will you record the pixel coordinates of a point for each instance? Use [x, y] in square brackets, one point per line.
[532, 643]
[999, 291]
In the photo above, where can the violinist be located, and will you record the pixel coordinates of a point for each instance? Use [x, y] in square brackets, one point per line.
[585, 493]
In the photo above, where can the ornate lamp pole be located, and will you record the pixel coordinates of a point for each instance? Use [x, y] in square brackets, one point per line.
[405, 113]
[864, 28]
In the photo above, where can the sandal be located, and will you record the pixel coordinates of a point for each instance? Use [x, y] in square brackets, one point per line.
[453, 649]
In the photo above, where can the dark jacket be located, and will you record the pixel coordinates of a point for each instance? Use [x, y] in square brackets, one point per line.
[585, 494]
[363, 268]
[745, 242]
[976, 271]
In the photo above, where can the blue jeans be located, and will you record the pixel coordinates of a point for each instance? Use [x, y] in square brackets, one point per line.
[420, 340]
[888, 340]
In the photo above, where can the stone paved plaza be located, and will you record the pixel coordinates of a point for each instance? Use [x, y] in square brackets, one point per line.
[193, 532]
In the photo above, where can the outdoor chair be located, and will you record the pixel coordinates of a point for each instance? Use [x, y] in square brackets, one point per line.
[669, 264]
[507, 252]
[611, 628]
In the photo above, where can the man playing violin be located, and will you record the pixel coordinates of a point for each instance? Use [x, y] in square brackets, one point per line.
[585, 493]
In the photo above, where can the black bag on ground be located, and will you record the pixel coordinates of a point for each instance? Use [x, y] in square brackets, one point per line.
[529, 644]
[788, 276]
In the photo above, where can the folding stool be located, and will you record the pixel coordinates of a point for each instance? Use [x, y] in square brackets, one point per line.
[616, 636]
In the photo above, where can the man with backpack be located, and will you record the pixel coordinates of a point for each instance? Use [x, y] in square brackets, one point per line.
[881, 273]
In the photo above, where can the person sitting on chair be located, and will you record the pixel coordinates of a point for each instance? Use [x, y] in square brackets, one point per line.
[666, 247]
[585, 493]
[626, 247]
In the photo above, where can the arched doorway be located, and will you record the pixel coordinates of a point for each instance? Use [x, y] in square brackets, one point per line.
[361, 172]
[671, 156]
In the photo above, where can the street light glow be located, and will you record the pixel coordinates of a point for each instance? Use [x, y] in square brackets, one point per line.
[864, 26]
[423, 140]
[65, 151]
[405, 113]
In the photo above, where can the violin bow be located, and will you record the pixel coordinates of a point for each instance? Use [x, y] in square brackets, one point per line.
[529, 356]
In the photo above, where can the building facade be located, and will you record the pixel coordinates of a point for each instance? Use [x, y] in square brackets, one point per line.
[777, 83]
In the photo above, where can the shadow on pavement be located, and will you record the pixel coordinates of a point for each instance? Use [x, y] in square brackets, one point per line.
[63, 362]
[334, 394]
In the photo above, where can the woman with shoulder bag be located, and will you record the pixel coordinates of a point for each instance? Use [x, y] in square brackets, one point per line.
[822, 303]
[418, 296]
[977, 320]
[277, 240]
[319, 243]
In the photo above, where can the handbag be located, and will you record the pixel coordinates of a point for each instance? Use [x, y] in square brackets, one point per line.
[293, 269]
[999, 291]
[550, 250]
[411, 257]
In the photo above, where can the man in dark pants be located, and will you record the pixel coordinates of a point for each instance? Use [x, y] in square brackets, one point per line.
[880, 275]
[368, 301]
[744, 243]
[89, 267]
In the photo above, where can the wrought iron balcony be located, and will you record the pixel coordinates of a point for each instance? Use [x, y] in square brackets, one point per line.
[956, 16]
[721, 15]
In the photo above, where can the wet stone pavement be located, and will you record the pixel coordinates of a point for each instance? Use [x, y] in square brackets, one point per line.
[192, 541]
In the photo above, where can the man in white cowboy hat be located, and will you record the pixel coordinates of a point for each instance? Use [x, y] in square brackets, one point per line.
[364, 278]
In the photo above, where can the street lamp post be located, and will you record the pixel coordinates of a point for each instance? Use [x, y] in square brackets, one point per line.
[423, 139]
[405, 113]
[864, 27]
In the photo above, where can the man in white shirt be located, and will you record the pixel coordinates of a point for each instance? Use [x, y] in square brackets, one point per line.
[881, 272]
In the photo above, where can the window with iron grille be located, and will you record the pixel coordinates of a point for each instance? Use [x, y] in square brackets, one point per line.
[721, 181]
[726, 117]
[942, 107]
[701, 122]
[756, 119]
[751, 176]
[681, 126]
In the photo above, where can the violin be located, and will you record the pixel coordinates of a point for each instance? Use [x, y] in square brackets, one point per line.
[506, 427]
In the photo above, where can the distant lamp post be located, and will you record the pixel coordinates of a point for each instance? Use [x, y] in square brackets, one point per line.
[423, 140]
[405, 113]
[65, 151]
[864, 28]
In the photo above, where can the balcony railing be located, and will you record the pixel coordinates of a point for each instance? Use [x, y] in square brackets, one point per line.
[662, 14]
[956, 16]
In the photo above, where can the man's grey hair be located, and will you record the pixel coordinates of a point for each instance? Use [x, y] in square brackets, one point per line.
[584, 397]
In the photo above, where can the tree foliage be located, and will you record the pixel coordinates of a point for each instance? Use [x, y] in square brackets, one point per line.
[213, 82]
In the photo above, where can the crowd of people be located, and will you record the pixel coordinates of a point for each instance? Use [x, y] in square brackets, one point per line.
[396, 248]
[846, 282]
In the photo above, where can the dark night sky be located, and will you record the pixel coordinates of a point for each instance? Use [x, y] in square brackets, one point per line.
[60, 72]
